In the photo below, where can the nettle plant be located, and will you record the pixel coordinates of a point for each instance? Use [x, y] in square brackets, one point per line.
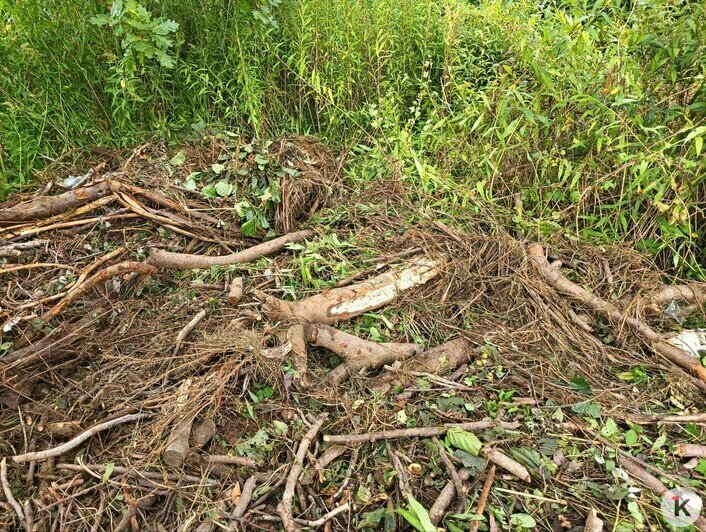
[146, 42]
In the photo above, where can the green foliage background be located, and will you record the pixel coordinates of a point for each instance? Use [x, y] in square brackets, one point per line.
[592, 113]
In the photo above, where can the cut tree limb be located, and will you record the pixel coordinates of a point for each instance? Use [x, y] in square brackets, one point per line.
[63, 334]
[438, 360]
[235, 291]
[593, 523]
[483, 498]
[350, 301]
[46, 206]
[296, 337]
[160, 258]
[357, 353]
[177, 448]
[677, 292]
[75, 442]
[655, 340]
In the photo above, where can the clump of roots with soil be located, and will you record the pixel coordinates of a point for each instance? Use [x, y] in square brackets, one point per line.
[231, 336]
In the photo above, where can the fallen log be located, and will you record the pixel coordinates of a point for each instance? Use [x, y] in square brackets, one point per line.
[160, 258]
[357, 354]
[47, 206]
[347, 302]
[438, 360]
[653, 339]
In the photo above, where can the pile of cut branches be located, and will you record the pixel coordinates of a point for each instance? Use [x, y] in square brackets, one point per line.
[372, 369]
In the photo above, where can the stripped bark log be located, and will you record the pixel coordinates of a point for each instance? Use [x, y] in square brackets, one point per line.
[46, 206]
[438, 360]
[350, 301]
[653, 339]
[357, 353]
[691, 450]
[160, 258]
[203, 433]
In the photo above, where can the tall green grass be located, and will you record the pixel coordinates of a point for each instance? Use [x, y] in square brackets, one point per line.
[593, 114]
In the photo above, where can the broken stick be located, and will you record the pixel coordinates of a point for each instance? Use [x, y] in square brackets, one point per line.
[100, 277]
[160, 258]
[284, 508]
[507, 463]
[442, 502]
[187, 330]
[75, 442]
[653, 339]
[350, 301]
[419, 432]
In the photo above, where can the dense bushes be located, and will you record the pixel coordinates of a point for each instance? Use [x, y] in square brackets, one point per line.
[593, 114]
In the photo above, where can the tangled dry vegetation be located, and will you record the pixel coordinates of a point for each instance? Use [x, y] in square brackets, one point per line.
[369, 368]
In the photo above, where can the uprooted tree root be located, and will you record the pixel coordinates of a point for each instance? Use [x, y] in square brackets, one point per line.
[152, 395]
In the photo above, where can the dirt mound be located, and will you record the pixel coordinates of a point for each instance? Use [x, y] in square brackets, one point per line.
[314, 380]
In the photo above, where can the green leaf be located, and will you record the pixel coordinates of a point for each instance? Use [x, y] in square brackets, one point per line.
[588, 408]
[250, 227]
[463, 440]
[224, 188]
[580, 385]
[701, 467]
[523, 520]
[630, 437]
[411, 519]
[217, 168]
[610, 429]
[421, 513]
[178, 159]
[108, 471]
